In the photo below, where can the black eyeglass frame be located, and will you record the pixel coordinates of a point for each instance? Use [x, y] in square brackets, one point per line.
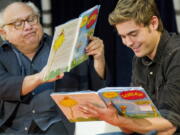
[32, 20]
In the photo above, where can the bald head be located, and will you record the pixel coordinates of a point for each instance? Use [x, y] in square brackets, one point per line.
[16, 5]
[14, 9]
[21, 26]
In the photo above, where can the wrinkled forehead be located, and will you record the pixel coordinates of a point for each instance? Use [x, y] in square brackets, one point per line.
[17, 11]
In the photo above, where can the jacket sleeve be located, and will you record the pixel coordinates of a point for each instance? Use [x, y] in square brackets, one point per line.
[169, 89]
[10, 82]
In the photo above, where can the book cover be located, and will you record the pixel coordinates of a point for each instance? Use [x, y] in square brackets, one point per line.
[129, 101]
[87, 28]
[69, 43]
[69, 104]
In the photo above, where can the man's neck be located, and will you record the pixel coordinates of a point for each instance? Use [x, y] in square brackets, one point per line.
[156, 42]
[29, 51]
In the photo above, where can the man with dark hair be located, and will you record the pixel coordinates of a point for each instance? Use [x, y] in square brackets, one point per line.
[156, 67]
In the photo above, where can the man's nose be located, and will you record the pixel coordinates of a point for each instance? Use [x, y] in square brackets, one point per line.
[128, 42]
[27, 25]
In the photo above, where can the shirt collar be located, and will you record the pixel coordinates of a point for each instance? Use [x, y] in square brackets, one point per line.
[5, 43]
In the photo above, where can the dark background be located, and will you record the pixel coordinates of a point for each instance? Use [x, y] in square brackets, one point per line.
[118, 57]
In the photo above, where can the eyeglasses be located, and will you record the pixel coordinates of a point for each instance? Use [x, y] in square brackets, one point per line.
[19, 24]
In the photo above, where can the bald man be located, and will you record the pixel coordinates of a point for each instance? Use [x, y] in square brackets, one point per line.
[25, 103]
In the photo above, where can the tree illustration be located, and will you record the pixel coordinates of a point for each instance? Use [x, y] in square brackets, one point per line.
[69, 103]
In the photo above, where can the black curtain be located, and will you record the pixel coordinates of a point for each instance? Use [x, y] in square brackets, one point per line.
[118, 56]
[36, 2]
[167, 12]
[64, 10]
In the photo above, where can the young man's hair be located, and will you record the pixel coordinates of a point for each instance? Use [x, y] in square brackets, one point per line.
[141, 11]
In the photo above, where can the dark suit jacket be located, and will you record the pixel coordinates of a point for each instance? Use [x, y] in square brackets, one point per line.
[82, 77]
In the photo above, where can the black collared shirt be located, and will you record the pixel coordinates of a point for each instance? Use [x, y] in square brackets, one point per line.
[161, 77]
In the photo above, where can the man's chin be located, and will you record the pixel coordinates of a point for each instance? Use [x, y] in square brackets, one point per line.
[32, 42]
[139, 55]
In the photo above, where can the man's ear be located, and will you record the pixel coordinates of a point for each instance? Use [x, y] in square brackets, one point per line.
[154, 22]
[2, 33]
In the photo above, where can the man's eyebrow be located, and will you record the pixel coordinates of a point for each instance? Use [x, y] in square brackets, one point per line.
[19, 18]
[131, 32]
[14, 20]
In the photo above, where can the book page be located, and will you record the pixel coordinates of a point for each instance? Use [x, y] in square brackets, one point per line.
[69, 103]
[87, 27]
[62, 47]
[130, 101]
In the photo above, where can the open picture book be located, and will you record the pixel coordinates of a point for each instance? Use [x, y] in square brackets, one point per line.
[69, 43]
[129, 102]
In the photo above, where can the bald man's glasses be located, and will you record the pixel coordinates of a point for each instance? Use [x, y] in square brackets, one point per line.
[19, 24]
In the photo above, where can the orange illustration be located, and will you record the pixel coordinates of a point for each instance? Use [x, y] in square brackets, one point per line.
[110, 94]
[84, 21]
[123, 109]
[68, 102]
